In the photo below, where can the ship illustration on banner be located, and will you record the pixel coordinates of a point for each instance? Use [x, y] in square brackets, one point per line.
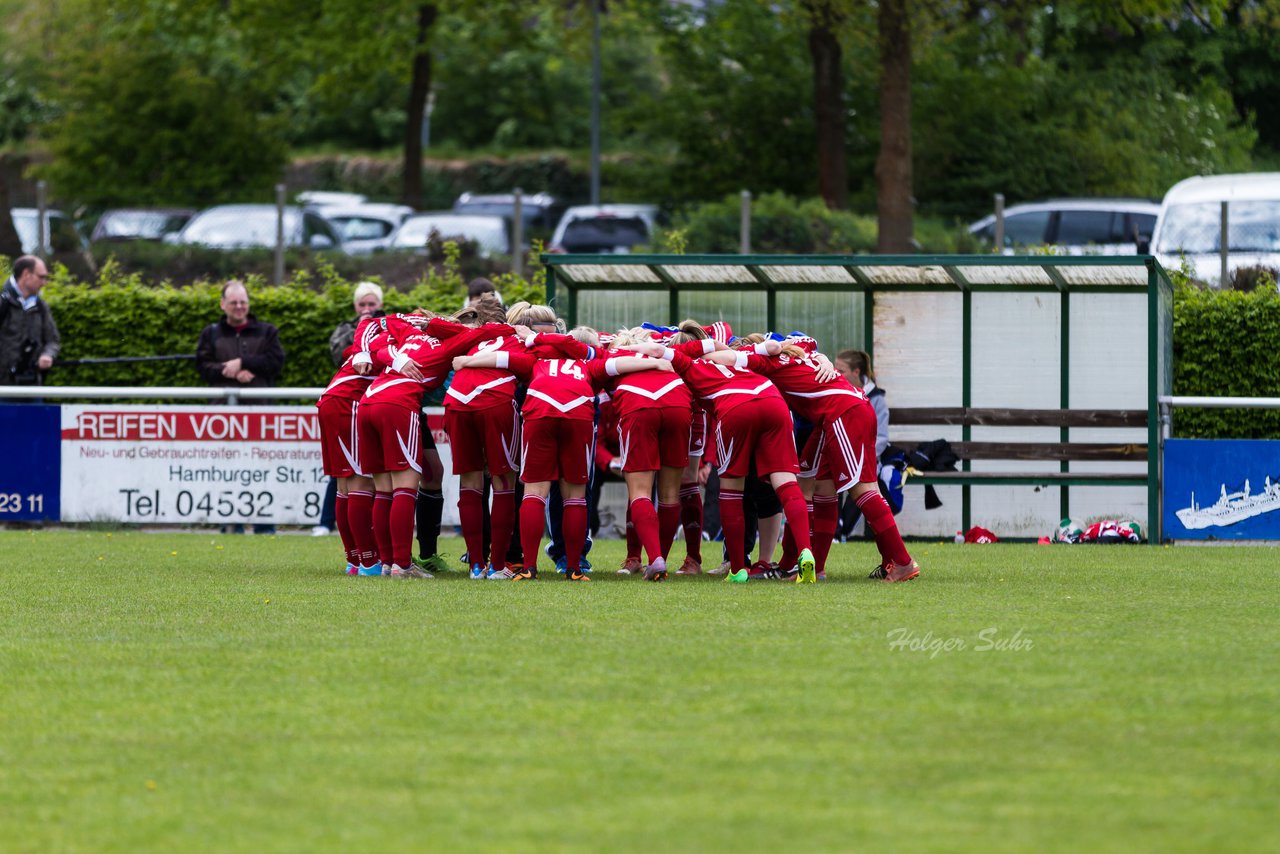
[1231, 507]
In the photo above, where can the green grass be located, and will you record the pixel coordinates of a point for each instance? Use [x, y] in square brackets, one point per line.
[193, 691]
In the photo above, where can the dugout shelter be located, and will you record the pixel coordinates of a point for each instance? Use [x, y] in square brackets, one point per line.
[1043, 371]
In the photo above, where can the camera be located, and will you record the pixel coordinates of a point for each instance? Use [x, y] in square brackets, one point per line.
[24, 370]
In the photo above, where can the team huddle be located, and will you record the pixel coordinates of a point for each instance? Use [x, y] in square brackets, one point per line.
[676, 394]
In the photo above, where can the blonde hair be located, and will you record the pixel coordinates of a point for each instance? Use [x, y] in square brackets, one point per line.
[794, 352]
[365, 289]
[586, 335]
[626, 337]
[690, 330]
[525, 314]
[753, 338]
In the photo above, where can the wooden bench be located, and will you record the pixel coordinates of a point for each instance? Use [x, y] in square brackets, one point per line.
[1062, 451]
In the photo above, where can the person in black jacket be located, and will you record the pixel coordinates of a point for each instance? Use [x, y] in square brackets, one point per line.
[239, 350]
[29, 340]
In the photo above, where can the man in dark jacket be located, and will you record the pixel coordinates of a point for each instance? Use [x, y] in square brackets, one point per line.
[29, 340]
[239, 350]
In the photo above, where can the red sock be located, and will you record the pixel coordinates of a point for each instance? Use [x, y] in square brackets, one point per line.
[646, 524]
[633, 538]
[344, 529]
[826, 518]
[790, 554]
[502, 519]
[668, 521]
[797, 513]
[471, 515]
[575, 531]
[360, 521]
[533, 516]
[403, 505]
[735, 528]
[691, 518]
[880, 520]
[382, 526]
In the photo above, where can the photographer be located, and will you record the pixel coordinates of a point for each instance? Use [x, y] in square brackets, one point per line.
[29, 339]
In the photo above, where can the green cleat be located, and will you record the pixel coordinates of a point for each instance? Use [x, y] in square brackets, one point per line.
[807, 565]
[433, 563]
[739, 577]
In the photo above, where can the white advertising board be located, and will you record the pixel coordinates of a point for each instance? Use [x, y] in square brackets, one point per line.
[199, 464]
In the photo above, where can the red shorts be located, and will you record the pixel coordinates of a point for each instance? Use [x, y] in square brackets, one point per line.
[556, 449]
[390, 438]
[697, 432]
[485, 439]
[759, 432]
[339, 438]
[843, 449]
[650, 439]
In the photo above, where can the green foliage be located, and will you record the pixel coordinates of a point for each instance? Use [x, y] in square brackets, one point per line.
[118, 314]
[783, 225]
[1224, 346]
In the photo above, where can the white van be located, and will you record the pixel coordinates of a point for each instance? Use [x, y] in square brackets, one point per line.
[1190, 223]
[592, 229]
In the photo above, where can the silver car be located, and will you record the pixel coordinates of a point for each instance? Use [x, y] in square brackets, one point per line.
[254, 227]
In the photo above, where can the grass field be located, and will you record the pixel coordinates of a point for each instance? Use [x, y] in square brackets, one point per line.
[193, 691]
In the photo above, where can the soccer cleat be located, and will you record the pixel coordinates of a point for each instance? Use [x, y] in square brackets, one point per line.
[504, 574]
[524, 573]
[396, 571]
[878, 573]
[895, 573]
[630, 566]
[822, 575]
[415, 571]
[584, 564]
[689, 567]
[351, 569]
[432, 563]
[562, 564]
[766, 571]
[576, 575]
[370, 571]
[657, 571]
[807, 567]
[722, 569]
[739, 577]
[479, 571]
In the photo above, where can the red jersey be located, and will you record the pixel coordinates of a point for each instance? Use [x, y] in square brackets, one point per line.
[722, 388]
[346, 383]
[559, 388]
[475, 389]
[797, 379]
[433, 358]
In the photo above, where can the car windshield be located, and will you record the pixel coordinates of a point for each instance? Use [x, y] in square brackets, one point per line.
[148, 224]
[414, 232]
[602, 233]
[62, 236]
[1194, 228]
[239, 227]
[361, 228]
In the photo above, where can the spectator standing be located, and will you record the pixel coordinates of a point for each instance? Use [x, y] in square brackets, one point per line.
[368, 303]
[239, 351]
[29, 340]
[855, 366]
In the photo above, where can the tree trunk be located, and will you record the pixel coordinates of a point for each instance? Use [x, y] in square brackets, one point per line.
[10, 243]
[893, 166]
[828, 103]
[419, 87]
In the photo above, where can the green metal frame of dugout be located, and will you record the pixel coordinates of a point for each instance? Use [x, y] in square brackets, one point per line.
[570, 275]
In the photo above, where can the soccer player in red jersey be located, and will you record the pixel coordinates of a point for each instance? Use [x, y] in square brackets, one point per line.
[339, 447]
[752, 424]
[390, 427]
[840, 454]
[556, 440]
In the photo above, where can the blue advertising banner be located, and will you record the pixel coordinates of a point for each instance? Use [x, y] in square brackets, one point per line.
[1221, 489]
[31, 447]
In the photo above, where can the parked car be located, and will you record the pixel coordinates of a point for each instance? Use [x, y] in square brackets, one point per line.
[539, 211]
[489, 233]
[1190, 223]
[365, 228]
[123, 224]
[254, 226]
[604, 228]
[328, 198]
[1075, 226]
[60, 231]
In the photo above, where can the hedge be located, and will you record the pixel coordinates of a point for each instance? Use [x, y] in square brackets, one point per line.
[118, 314]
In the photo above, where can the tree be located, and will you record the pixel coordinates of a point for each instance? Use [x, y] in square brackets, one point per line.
[825, 18]
[894, 191]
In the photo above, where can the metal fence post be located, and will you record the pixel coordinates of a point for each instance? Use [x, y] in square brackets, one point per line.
[42, 218]
[1224, 248]
[744, 228]
[277, 275]
[517, 233]
[999, 222]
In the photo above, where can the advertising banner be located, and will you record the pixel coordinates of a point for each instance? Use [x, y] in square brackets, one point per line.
[1221, 489]
[172, 464]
